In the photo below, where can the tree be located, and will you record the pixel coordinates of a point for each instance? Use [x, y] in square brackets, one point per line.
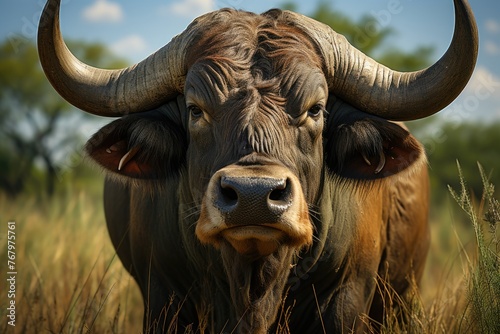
[469, 143]
[33, 116]
[369, 36]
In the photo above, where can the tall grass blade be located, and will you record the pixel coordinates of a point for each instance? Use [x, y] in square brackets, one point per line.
[484, 281]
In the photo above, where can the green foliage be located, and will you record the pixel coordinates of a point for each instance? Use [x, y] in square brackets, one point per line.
[469, 142]
[362, 34]
[484, 281]
[406, 62]
[96, 54]
[370, 37]
[36, 124]
[21, 80]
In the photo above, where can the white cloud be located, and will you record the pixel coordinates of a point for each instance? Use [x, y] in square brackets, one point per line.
[481, 98]
[190, 8]
[492, 26]
[129, 45]
[103, 11]
[484, 84]
[492, 48]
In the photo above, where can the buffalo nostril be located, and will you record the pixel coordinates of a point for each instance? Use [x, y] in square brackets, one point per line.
[281, 193]
[251, 200]
[228, 195]
[280, 198]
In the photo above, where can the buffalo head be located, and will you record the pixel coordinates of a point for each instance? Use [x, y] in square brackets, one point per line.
[256, 89]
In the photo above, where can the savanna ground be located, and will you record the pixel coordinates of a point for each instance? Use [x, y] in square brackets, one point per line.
[69, 279]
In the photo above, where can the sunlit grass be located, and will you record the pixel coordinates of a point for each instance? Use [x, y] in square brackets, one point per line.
[70, 281]
[460, 292]
[483, 281]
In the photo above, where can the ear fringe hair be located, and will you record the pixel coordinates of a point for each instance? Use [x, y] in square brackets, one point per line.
[149, 186]
[361, 187]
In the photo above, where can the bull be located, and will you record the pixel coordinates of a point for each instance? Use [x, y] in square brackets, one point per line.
[258, 179]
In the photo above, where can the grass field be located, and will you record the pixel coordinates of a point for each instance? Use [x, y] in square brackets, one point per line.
[70, 281]
[68, 277]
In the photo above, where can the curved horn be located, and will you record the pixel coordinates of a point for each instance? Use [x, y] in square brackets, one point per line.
[137, 88]
[393, 95]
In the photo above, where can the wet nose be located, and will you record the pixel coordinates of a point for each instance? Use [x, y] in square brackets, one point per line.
[253, 200]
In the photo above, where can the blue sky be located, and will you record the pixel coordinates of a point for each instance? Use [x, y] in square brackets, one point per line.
[134, 29]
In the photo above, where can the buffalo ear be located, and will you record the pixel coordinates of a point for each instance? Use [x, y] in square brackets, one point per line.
[366, 147]
[143, 146]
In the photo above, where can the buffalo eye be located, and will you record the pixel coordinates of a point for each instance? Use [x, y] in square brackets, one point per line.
[195, 111]
[315, 110]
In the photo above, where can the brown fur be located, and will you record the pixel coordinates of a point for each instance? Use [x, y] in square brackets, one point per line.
[258, 100]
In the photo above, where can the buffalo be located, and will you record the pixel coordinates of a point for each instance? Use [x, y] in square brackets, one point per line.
[258, 179]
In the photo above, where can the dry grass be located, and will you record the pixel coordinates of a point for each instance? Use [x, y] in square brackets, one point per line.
[70, 281]
[68, 278]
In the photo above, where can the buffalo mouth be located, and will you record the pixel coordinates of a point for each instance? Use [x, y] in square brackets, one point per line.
[256, 209]
[254, 239]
